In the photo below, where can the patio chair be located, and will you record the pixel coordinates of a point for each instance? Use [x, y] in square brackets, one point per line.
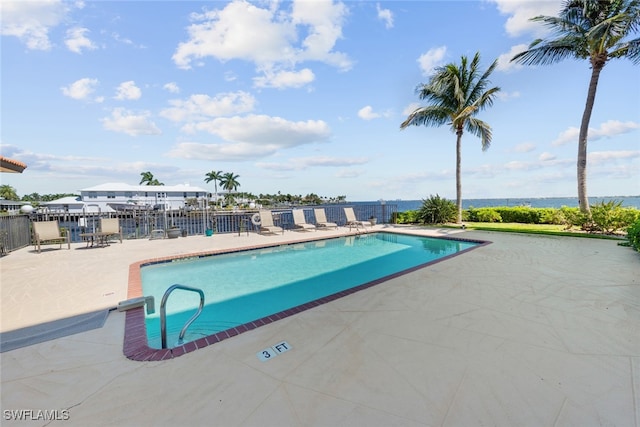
[49, 232]
[352, 221]
[321, 219]
[300, 222]
[110, 227]
[267, 225]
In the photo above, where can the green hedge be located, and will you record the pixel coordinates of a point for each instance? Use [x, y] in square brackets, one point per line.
[633, 235]
[607, 218]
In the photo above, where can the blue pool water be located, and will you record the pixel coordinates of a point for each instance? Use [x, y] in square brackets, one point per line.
[245, 286]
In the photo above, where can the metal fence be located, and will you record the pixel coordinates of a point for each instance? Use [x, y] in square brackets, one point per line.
[15, 232]
[139, 224]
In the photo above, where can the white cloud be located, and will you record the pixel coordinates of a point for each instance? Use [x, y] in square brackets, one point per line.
[130, 123]
[504, 60]
[251, 137]
[128, 91]
[322, 20]
[284, 79]
[268, 37]
[607, 129]
[524, 147]
[81, 89]
[505, 96]
[385, 15]
[202, 107]
[520, 13]
[366, 113]
[76, 40]
[31, 21]
[307, 162]
[431, 59]
[410, 108]
[546, 156]
[599, 157]
[171, 87]
[266, 130]
[221, 152]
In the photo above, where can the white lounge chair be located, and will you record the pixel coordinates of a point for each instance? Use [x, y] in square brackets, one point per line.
[49, 232]
[352, 221]
[321, 219]
[267, 225]
[300, 222]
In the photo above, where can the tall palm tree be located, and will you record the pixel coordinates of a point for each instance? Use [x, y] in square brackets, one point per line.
[455, 94]
[214, 176]
[229, 182]
[587, 29]
[147, 177]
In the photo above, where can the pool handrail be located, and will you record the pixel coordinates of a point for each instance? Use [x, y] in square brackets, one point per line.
[163, 312]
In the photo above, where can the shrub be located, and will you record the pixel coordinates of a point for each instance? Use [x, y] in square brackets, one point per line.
[610, 217]
[407, 217]
[488, 215]
[574, 218]
[633, 235]
[436, 210]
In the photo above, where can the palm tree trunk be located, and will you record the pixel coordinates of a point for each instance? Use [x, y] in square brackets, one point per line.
[583, 200]
[458, 175]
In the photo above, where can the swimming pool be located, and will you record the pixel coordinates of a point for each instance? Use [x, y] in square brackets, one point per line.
[247, 289]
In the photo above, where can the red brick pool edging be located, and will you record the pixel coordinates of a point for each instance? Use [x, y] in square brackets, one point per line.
[135, 334]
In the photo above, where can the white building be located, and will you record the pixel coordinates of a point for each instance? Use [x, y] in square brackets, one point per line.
[112, 197]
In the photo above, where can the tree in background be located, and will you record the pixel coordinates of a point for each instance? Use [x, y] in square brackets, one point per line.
[7, 192]
[455, 94]
[229, 182]
[148, 179]
[587, 29]
[214, 176]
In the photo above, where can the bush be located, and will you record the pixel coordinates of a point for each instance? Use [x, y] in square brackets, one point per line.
[610, 217]
[488, 215]
[407, 217]
[574, 218]
[436, 210]
[633, 235]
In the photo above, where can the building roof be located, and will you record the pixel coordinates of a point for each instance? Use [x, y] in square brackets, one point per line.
[11, 165]
[121, 186]
[69, 200]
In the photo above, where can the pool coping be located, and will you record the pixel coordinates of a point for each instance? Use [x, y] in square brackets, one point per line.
[135, 335]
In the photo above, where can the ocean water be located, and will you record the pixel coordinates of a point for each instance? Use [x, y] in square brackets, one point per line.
[539, 202]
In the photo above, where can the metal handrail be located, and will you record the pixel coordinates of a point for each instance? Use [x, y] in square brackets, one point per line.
[163, 312]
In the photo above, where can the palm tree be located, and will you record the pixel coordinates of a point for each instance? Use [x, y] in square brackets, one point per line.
[455, 95]
[147, 177]
[229, 182]
[7, 192]
[593, 30]
[214, 176]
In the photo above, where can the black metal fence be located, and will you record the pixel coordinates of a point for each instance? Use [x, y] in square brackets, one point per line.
[137, 224]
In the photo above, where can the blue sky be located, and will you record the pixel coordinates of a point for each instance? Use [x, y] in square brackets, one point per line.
[299, 97]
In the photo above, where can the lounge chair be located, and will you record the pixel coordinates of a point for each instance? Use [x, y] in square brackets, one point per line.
[352, 221]
[321, 219]
[49, 232]
[110, 227]
[267, 225]
[300, 222]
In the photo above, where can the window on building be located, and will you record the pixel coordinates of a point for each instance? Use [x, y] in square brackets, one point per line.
[111, 195]
[93, 195]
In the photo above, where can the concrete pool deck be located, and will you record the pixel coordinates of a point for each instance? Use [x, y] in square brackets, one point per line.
[526, 331]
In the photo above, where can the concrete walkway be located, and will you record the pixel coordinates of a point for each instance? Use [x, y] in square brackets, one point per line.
[527, 331]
